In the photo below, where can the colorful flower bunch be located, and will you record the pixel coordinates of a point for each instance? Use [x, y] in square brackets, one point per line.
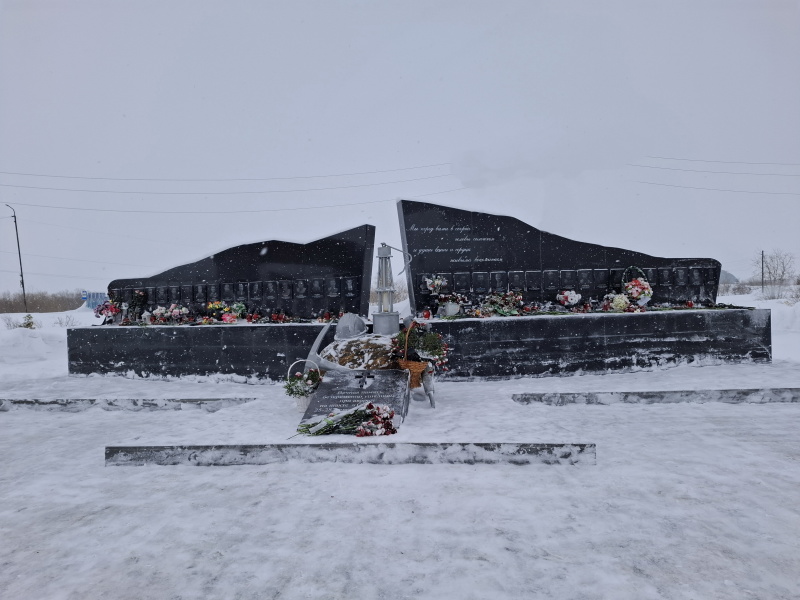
[452, 297]
[218, 305]
[436, 284]
[568, 298]
[363, 421]
[109, 308]
[239, 309]
[301, 386]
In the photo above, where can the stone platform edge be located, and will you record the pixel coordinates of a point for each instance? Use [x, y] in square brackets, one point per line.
[354, 453]
[751, 396]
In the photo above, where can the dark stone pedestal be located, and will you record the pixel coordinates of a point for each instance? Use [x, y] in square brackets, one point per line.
[263, 351]
[552, 345]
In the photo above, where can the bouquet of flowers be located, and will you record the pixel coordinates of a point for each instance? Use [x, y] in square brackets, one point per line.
[505, 305]
[423, 345]
[239, 309]
[616, 302]
[568, 297]
[107, 309]
[453, 297]
[364, 420]
[302, 386]
[217, 306]
[228, 317]
[436, 284]
[639, 291]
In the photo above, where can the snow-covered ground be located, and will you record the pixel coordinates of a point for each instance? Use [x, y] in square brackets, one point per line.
[686, 500]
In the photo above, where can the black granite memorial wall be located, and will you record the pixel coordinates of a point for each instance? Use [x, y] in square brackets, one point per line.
[491, 250]
[271, 276]
[480, 348]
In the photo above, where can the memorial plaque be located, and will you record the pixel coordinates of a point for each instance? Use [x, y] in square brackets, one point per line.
[447, 282]
[228, 294]
[162, 295]
[187, 297]
[200, 294]
[533, 281]
[585, 280]
[285, 290]
[499, 281]
[551, 280]
[333, 287]
[317, 287]
[115, 294]
[480, 283]
[569, 280]
[212, 291]
[255, 290]
[681, 276]
[241, 291]
[422, 284]
[350, 286]
[695, 276]
[461, 282]
[516, 281]
[665, 276]
[300, 288]
[343, 390]
[442, 240]
[151, 296]
[601, 279]
[651, 275]
[127, 295]
[270, 290]
[615, 278]
[710, 275]
[174, 294]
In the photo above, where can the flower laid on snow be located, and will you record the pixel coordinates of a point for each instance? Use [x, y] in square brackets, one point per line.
[300, 385]
[568, 297]
[228, 317]
[366, 420]
[504, 305]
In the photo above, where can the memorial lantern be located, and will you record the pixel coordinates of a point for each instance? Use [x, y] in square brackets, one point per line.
[385, 321]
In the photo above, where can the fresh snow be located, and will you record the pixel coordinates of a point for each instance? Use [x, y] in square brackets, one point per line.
[694, 500]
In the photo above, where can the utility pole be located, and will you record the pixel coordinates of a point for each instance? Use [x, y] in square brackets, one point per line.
[762, 272]
[19, 253]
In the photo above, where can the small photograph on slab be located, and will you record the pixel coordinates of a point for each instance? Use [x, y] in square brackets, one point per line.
[569, 279]
[270, 290]
[256, 290]
[187, 294]
[480, 282]
[333, 287]
[285, 289]
[162, 295]
[551, 280]
[498, 281]
[350, 286]
[461, 282]
[665, 276]
[228, 292]
[533, 281]
[241, 291]
[317, 287]
[301, 288]
[516, 281]
[680, 276]
[601, 277]
[585, 280]
[213, 292]
[174, 294]
[695, 276]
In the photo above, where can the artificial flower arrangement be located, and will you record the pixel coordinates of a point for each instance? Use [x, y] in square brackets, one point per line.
[239, 309]
[505, 305]
[107, 309]
[568, 298]
[436, 284]
[175, 314]
[423, 345]
[302, 386]
[454, 297]
[639, 291]
[365, 420]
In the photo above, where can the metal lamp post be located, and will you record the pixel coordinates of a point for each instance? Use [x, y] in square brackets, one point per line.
[386, 321]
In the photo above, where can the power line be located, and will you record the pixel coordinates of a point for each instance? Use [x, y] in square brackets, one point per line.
[226, 179]
[113, 234]
[727, 162]
[54, 275]
[341, 187]
[100, 262]
[197, 212]
[719, 172]
[689, 187]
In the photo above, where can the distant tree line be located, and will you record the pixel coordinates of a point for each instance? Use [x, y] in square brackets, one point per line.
[40, 302]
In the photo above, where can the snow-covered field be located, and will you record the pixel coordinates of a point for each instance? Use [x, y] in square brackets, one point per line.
[692, 500]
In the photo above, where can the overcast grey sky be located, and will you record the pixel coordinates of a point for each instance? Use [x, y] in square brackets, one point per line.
[537, 110]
